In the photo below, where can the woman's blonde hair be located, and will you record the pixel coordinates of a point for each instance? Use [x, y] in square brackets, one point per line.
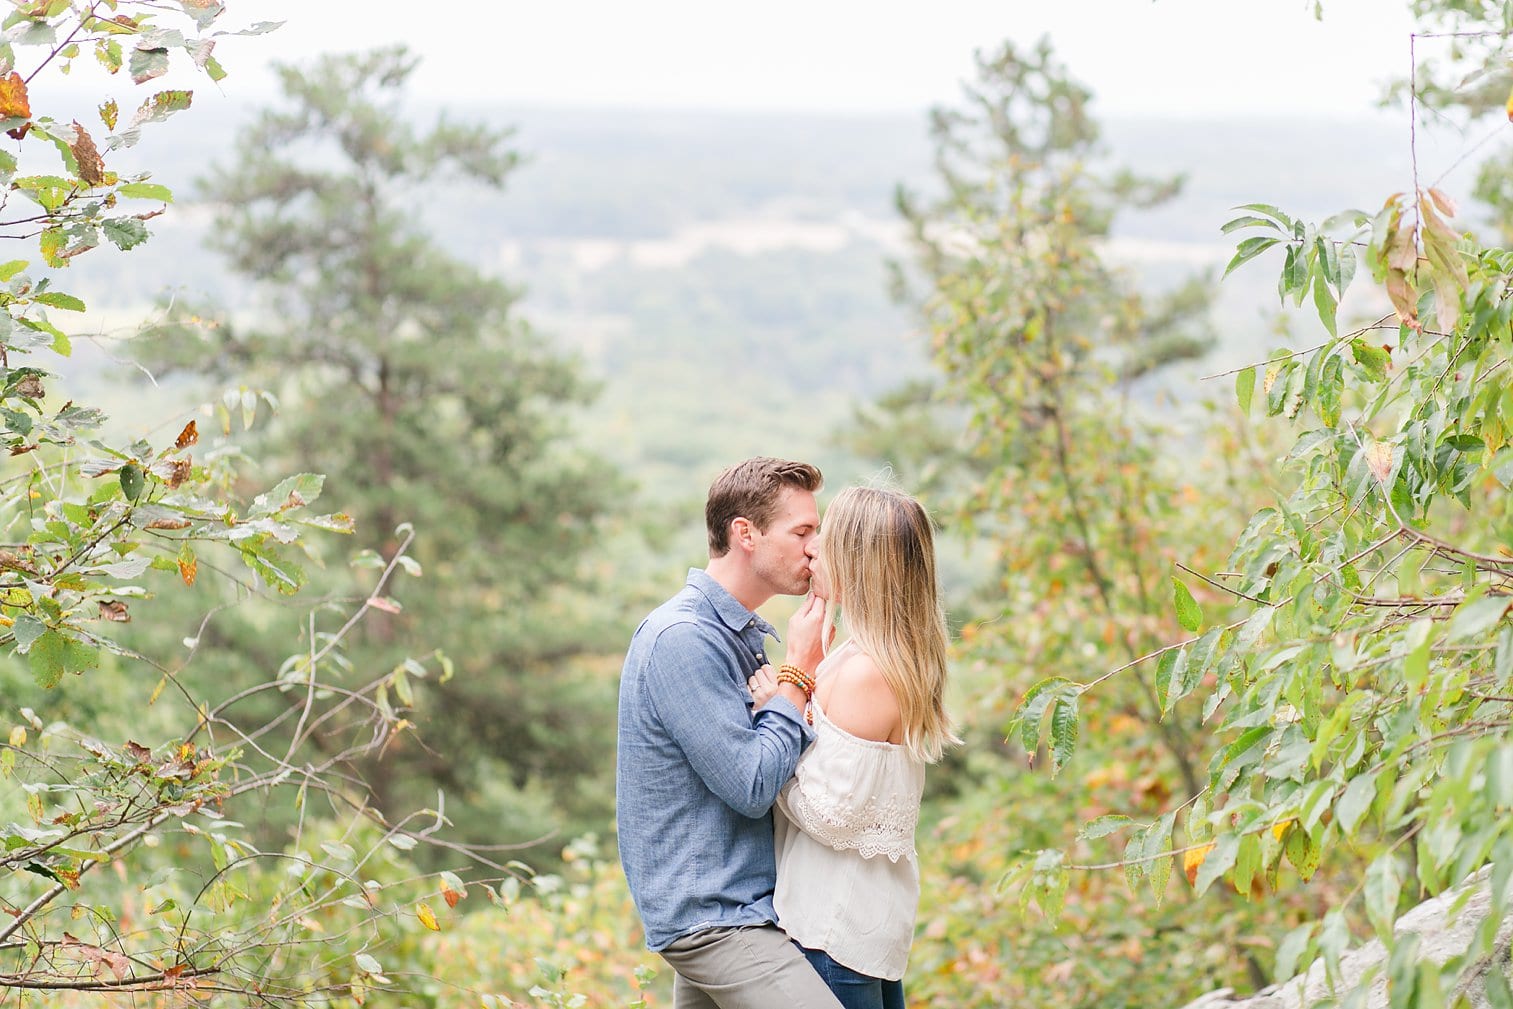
[879, 552]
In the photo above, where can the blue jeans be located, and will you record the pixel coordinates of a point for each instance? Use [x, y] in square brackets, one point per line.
[853, 990]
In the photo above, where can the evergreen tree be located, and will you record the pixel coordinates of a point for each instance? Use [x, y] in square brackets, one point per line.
[407, 378]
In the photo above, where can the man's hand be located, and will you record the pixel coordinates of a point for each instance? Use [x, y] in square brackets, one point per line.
[763, 684]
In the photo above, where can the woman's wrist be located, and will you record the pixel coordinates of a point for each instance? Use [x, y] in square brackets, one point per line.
[798, 677]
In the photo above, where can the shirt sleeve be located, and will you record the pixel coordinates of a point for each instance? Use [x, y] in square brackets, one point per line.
[690, 684]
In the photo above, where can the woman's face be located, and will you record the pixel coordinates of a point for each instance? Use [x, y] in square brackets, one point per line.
[819, 582]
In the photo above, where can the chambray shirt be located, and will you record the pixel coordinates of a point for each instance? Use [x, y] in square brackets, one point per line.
[698, 768]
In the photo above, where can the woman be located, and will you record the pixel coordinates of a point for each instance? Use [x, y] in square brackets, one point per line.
[848, 881]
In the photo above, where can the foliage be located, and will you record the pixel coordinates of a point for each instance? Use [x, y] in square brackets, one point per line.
[192, 908]
[1083, 501]
[1360, 690]
[413, 386]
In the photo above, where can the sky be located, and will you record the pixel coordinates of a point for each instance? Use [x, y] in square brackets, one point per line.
[1165, 58]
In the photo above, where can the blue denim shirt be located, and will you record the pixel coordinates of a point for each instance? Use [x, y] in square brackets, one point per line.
[698, 768]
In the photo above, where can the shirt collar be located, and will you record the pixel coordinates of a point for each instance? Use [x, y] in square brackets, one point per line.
[730, 611]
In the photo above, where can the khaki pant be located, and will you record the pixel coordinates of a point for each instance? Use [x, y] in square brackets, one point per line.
[753, 967]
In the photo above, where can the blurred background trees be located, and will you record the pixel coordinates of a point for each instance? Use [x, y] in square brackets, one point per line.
[405, 375]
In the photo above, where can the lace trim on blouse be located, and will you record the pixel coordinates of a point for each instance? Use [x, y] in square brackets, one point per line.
[880, 821]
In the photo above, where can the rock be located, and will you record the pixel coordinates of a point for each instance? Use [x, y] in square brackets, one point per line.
[1444, 931]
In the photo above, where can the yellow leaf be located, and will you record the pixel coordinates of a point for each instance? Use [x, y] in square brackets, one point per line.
[1510, 107]
[1192, 860]
[427, 917]
[18, 736]
[1278, 830]
[13, 100]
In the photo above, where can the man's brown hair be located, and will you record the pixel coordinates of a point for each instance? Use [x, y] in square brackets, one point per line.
[751, 490]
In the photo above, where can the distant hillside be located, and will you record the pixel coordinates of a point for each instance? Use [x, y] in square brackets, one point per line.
[724, 274]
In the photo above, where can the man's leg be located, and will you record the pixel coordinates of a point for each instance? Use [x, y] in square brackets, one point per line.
[744, 968]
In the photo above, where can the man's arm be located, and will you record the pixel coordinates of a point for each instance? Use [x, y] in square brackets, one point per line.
[690, 687]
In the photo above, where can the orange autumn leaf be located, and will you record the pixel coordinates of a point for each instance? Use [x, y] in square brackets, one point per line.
[1192, 860]
[187, 437]
[14, 103]
[189, 569]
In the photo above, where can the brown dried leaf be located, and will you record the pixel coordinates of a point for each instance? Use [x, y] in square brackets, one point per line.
[14, 103]
[384, 603]
[91, 165]
[166, 523]
[1444, 203]
[181, 471]
[31, 387]
[114, 609]
[137, 752]
[189, 436]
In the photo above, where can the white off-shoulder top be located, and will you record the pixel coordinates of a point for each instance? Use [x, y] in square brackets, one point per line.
[847, 877]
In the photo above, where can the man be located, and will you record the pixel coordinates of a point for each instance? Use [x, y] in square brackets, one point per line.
[699, 768]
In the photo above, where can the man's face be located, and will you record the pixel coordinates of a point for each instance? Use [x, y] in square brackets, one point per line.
[784, 551]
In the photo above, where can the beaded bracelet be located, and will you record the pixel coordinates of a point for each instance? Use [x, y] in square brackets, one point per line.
[788, 673]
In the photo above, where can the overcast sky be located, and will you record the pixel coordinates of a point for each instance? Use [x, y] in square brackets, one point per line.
[1187, 58]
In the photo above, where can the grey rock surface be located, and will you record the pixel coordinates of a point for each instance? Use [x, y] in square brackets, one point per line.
[1446, 926]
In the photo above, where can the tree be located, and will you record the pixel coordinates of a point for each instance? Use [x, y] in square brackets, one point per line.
[418, 392]
[92, 527]
[1359, 676]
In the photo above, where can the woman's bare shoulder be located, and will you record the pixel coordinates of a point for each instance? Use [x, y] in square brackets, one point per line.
[859, 700]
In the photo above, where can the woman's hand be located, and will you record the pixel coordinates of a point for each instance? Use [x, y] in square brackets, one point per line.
[763, 684]
[806, 630]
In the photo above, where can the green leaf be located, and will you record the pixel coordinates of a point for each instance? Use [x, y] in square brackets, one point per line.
[1371, 358]
[1245, 387]
[9, 270]
[1248, 221]
[57, 299]
[1032, 710]
[1217, 862]
[1247, 863]
[53, 654]
[1166, 669]
[1248, 250]
[1102, 826]
[1063, 732]
[1355, 801]
[1269, 211]
[1303, 852]
[132, 480]
[1158, 849]
[125, 232]
[293, 492]
[147, 64]
[145, 191]
[1382, 888]
[1188, 613]
[1323, 300]
[1477, 617]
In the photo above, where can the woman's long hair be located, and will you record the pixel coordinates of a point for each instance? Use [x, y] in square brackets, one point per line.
[879, 552]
